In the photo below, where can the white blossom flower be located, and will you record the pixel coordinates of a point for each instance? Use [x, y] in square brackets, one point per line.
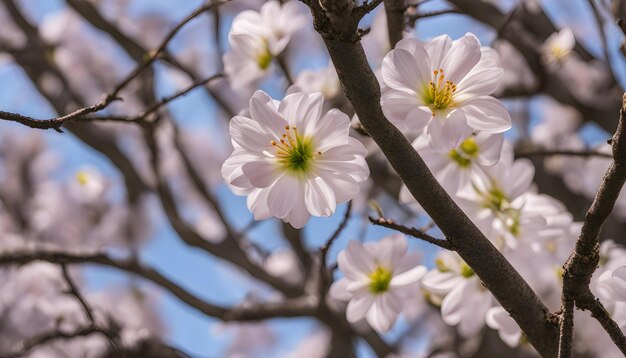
[256, 38]
[379, 278]
[488, 196]
[466, 300]
[284, 263]
[291, 161]
[443, 86]
[324, 80]
[89, 185]
[558, 46]
[456, 168]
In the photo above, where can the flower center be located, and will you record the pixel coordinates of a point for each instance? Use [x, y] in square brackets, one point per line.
[558, 52]
[495, 199]
[464, 153]
[466, 271]
[264, 57]
[439, 93]
[379, 280]
[294, 152]
[82, 178]
[513, 223]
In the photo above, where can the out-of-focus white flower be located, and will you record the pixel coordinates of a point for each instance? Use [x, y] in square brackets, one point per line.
[291, 161]
[506, 181]
[508, 330]
[558, 46]
[443, 86]
[257, 37]
[315, 345]
[88, 185]
[248, 339]
[456, 168]
[516, 71]
[284, 263]
[466, 300]
[379, 278]
[324, 80]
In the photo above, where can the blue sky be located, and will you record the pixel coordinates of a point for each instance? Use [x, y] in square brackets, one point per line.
[195, 270]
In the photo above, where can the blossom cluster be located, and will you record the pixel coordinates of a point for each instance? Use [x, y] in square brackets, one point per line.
[441, 94]
[294, 148]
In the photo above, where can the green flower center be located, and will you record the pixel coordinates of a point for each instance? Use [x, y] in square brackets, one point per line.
[264, 58]
[466, 271]
[464, 153]
[294, 152]
[439, 92]
[513, 224]
[441, 265]
[496, 200]
[380, 280]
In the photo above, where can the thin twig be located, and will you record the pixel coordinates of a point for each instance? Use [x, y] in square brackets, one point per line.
[168, 99]
[413, 18]
[570, 153]
[57, 123]
[326, 247]
[325, 273]
[443, 243]
[368, 7]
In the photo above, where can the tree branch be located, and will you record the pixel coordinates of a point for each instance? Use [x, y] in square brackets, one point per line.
[300, 306]
[443, 243]
[394, 10]
[583, 262]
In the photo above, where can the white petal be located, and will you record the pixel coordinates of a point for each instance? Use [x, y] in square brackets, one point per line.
[455, 128]
[481, 81]
[418, 118]
[409, 277]
[508, 330]
[520, 178]
[401, 70]
[257, 203]
[487, 114]
[332, 130]
[339, 290]
[441, 282]
[463, 55]
[250, 135]
[618, 282]
[382, 314]
[397, 104]
[414, 46]
[350, 270]
[319, 197]
[490, 148]
[358, 308]
[437, 49]
[261, 173]
[299, 214]
[358, 256]
[302, 110]
[283, 195]
[263, 110]
[345, 187]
